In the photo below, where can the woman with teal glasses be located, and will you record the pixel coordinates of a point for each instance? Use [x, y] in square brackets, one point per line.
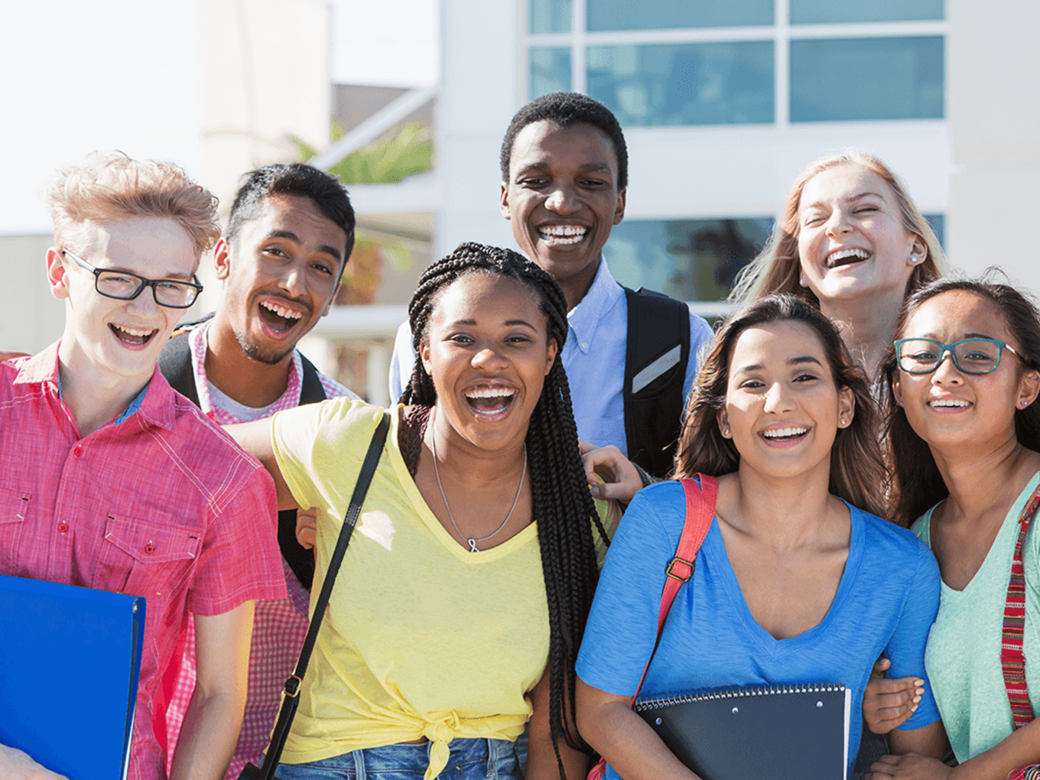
[964, 437]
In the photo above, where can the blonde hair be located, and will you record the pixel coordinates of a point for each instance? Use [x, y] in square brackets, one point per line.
[778, 268]
[112, 188]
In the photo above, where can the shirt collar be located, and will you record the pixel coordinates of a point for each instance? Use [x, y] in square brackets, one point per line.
[199, 341]
[154, 402]
[602, 296]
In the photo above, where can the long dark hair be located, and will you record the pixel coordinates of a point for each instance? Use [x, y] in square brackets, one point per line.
[857, 468]
[916, 482]
[561, 501]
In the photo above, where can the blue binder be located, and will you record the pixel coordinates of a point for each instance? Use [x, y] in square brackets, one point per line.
[70, 660]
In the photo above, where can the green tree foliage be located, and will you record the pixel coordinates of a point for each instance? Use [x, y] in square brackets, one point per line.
[390, 159]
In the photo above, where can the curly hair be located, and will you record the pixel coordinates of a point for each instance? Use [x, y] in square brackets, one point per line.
[561, 501]
[113, 187]
[566, 109]
[778, 268]
[917, 484]
[857, 467]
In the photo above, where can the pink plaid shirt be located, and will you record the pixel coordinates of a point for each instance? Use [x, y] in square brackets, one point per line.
[157, 504]
[279, 626]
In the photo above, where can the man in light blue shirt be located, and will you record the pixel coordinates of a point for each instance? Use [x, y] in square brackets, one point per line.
[564, 178]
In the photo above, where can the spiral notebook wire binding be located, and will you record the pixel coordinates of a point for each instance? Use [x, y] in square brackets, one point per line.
[736, 692]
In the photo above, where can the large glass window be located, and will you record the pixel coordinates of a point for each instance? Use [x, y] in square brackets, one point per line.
[550, 70]
[663, 63]
[550, 16]
[684, 84]
[689, 259]
[849, 79]
[673, 14]
[849, 11]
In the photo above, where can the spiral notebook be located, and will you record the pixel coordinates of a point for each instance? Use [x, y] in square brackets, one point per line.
[785, 732]
[70, 660]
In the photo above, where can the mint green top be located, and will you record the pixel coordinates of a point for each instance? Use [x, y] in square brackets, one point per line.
[963, 653]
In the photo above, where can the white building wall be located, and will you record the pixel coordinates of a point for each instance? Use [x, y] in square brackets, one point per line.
[993, 80]
[216, 86]
[674, 172]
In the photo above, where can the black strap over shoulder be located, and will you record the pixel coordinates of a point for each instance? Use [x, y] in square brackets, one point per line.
[291, 692]
[300, 560]
[657, 352]
[175, 364]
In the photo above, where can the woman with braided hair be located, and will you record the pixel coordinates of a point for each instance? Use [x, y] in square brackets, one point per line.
[456, 617]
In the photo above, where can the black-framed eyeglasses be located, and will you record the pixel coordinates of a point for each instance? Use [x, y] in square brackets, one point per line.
[971, 356]
[125, 286]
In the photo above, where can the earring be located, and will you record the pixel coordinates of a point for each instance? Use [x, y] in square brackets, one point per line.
[842, 422]
[725, 432]
[913, 259]
[803, 282]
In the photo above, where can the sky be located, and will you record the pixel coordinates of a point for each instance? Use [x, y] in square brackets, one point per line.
[104, 74]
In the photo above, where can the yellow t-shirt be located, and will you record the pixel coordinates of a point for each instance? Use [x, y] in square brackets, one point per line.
[422, 637]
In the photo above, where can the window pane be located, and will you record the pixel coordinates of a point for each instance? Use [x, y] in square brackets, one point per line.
[849, 79]
[550, 70]
[841, 11]
[672, 14]
[550, 16]
[684, 84]
[689, 259]
[938, 223]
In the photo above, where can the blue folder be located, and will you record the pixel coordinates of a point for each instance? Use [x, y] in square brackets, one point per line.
[70, 660]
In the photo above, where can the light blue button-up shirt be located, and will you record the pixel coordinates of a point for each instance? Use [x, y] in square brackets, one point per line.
[594, 358]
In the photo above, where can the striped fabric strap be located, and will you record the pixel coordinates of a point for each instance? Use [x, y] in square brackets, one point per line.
[1012, 660]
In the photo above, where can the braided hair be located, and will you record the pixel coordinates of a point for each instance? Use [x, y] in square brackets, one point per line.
[561, 501]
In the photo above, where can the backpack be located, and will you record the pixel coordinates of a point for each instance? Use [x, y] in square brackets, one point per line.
[175, 364]
[656, 356]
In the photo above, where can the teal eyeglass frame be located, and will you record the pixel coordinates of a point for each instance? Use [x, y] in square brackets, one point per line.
[951, 349]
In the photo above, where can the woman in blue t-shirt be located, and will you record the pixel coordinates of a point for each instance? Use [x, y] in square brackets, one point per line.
[793, 584]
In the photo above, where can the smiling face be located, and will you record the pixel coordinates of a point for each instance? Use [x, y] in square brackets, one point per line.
[116, 337]
[488, 352]
[782, 407]
[948, 408]
[281, 275]
[851, 239]
[563, 200]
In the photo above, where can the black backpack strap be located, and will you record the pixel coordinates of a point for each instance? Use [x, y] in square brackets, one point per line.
[291, 691]
[656, 355]
[312, 391]
[300, 560]
[175, 365]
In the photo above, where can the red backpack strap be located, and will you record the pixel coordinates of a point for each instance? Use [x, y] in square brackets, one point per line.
[1012, 660]
[700, 510]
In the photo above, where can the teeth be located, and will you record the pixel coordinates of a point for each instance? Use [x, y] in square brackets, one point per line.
[563, 234]
[135, 331]
[845, 254]
[490, 392]
[281, 311]
[949, 402]
[781, 433]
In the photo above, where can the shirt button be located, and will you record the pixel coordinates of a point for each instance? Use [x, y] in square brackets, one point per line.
[63, 528]
[149, 548]
[584, 345]
[77, 451]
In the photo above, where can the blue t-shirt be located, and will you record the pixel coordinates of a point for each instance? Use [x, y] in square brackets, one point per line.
[885, 603]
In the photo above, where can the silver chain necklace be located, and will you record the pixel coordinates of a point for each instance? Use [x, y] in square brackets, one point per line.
[469, 539]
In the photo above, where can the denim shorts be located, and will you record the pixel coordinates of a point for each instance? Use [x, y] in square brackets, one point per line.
[471, 759]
